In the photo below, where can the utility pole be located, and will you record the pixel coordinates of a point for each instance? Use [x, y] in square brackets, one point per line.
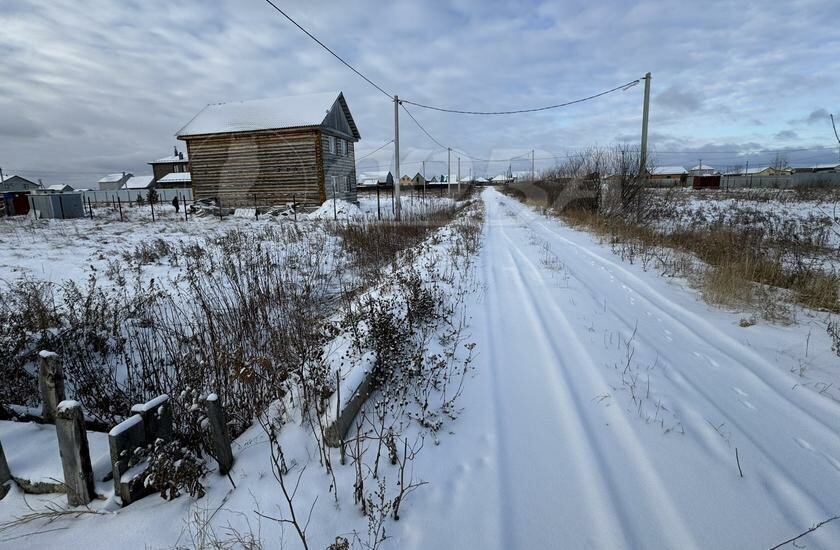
[459, 175]
[645, 113]
[397, 158]
[832, 125]
[449, 170]
[532, 165]
[1, 176]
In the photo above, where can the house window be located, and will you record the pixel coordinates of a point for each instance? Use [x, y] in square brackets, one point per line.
[331, 141]
[333, 183]
[344, 147]
[346, 184]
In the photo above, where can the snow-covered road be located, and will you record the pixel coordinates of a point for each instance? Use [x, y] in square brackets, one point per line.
[608, 405]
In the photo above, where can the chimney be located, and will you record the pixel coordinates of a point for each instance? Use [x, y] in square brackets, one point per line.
[175, 148]
[181, 156]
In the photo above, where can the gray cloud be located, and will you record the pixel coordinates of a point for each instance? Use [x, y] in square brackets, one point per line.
[104, 88]
[15, 125]
[677, 100]
[818, 115]
[786, 135]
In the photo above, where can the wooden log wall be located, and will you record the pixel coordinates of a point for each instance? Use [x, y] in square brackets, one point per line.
[264, 167]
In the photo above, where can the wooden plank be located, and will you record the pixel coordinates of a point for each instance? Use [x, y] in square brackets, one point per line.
[268, 165]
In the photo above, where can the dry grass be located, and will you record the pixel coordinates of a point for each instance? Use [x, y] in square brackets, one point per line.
[740, 266]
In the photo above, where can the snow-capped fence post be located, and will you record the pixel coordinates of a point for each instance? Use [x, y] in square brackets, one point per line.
[123, 440]
[219, 434]
[157, 418]
[5, 473]
[74, 451]
[50, 383]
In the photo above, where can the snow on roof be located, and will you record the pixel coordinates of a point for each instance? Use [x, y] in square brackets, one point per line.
[668, 170]
[115, 177]
[266, 114]
[500, 177]
[139, 182]
[60, 187]
[754, 170]
[480, 180]
[703, 167]
[171, 159]
[176, 177]
[371, 178]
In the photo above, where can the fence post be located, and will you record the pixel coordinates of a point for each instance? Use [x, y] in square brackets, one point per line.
[152, 204]
[219, 433]
[157, 418]
[50, 383]
[184, 201]
[90, 208]
[294, 204]
[378, 212]
[119, 204]
[5, 473]
[123, 439]
[75, 454]
[219, 203]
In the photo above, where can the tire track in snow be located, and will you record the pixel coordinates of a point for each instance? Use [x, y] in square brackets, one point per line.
[797, 503]
[584, 378]
[572, 482]
[738, 353]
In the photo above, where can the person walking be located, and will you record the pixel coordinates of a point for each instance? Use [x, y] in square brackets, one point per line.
[176, 204]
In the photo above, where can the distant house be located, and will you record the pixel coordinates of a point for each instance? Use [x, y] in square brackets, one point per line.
[830, 167]
[433, 180]
[270, 149]
[418, 179]
[501, 178]
[760, 171]
[175, 164]
[522, 175]
[60, 188]
[383, 177]
[668, 174]
[140, 183]
[702, 170]
[115, 181]
[479, 180]
[405, 179]
[14, 183]
[174, 180]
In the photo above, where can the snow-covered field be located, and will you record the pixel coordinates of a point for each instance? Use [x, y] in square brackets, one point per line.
[773, 210]
[608, 408]
[56, 250]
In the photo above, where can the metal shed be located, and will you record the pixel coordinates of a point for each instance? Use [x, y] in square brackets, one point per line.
[56, 205]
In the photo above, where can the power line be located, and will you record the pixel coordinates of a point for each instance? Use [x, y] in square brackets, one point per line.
[428, 135]
[310, 35]
[375, 150]
[532, 110]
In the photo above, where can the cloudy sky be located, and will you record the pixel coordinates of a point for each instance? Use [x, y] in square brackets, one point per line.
[89, 87]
